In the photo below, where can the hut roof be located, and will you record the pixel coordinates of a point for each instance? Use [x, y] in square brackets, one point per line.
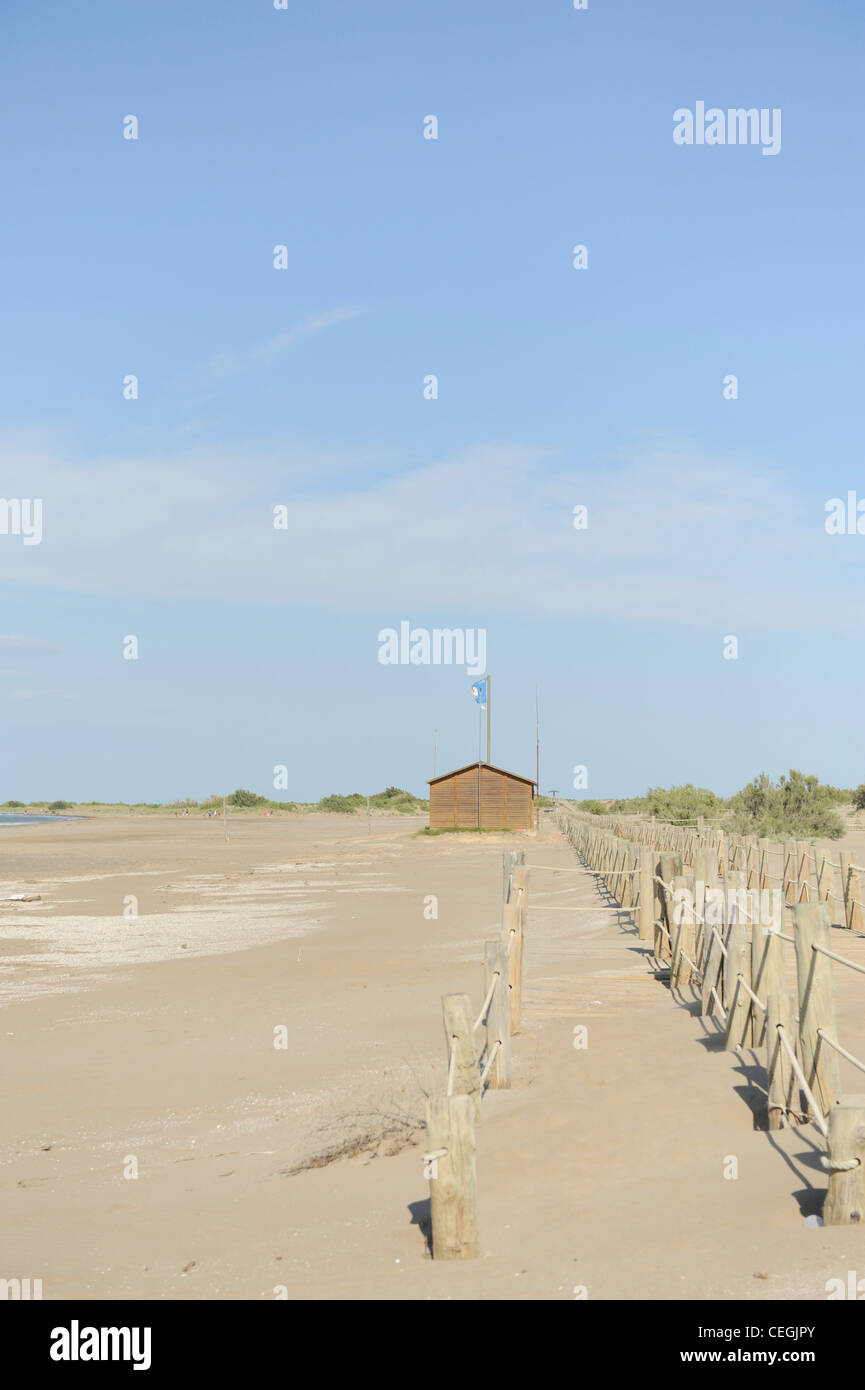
[502, 770]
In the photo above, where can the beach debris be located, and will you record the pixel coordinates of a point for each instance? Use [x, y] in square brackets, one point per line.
[23, 898]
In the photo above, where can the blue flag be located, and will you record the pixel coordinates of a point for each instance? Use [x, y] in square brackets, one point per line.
[479, 691]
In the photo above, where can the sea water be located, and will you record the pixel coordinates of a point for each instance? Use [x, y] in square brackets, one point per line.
[16, 818]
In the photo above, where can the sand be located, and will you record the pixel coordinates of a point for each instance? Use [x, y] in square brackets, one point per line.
[145, 1044]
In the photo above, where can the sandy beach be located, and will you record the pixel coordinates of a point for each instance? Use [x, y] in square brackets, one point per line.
[143, 1043]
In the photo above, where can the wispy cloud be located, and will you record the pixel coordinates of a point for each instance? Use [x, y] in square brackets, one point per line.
[35, 695]
[20, 641]
[227, 362]
[675, 534]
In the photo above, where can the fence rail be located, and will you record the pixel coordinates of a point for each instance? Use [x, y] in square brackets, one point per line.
[715, 911]
[712, 910]
[449, 1162]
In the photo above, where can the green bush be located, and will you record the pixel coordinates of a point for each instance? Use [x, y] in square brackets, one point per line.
[629, 806]
[796, 805]
[858, 799]
[59, 805]
[682, 805]
[593, 808]
[14, 804]
[244, 798]
[396, 799]
[344, 804]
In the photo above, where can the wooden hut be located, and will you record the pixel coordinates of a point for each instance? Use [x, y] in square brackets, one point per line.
[480, 795]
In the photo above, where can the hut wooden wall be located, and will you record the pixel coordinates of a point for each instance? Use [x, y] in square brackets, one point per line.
[505, 801]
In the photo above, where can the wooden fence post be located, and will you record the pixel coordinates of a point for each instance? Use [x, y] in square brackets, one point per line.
[789, 872]
[498, 1026]
[735, 896]
[737, 1003]
[713, 956]
[803, 871]
[824, 877]
[670, 867]
[510, 859]
[759, 946]
[618, 870]
[450, 1166]
[845, 1198]
[783, 1097]
[771, 975]
[852, 896]
[816, 1002]
[846, 860]
[752, 862]
[701, 878]
[682, 932]
[512, 939]
[765, 862]
[520, 881]
[647, 895]
[856, 922]
[459, 1036]
[634, 856]
[626, 883]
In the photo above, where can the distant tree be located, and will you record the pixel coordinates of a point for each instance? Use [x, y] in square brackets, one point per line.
[59, 805]
[858, 798]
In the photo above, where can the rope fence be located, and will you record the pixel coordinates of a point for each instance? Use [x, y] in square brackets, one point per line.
[485, 1006]
[475, 1066]
[717, 911]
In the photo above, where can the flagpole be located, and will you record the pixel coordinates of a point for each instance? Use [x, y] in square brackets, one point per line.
[489, 685]
[537, 761]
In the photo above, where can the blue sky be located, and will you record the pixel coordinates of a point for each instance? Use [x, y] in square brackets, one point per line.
[304, 387]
